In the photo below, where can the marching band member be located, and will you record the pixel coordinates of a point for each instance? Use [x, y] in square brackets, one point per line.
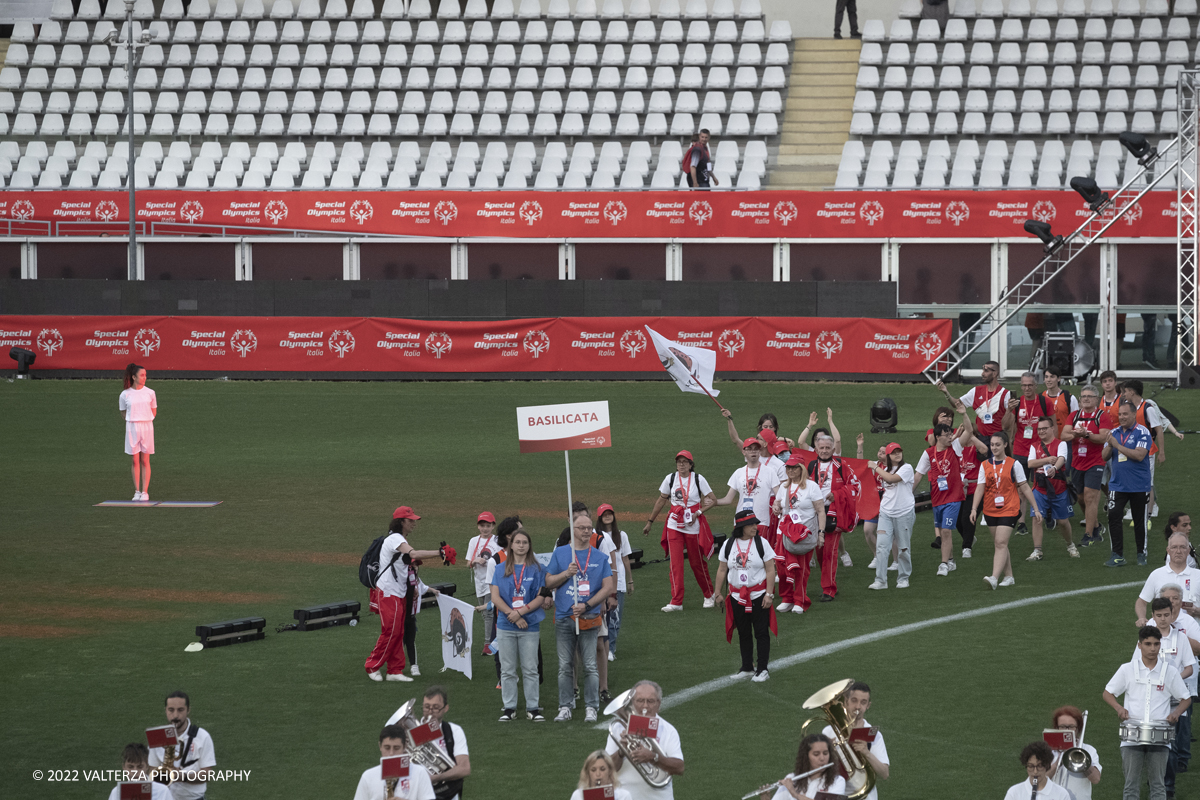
[800, 506]
[842, 488]
[135, 766]
[1149, 684]
[193, 754]
[1176, 572]
[1181, 748]
[689, 496]
[1079, 787]
[1037, 758]
[598, 771]
[1001, 484]
[448, 784]
[815, 751]
[1180, 522]
[646, 700]
[1176, 650]
[858, 702]
[749, 563]
[478, 550]
[372, 786]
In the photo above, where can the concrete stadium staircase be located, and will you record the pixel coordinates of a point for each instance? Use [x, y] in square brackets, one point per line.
[816, 122]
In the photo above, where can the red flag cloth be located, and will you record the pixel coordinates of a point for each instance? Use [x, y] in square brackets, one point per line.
[729, 626]
[868, 498]
[707, 541]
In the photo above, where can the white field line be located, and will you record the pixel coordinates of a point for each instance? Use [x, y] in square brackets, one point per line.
[715, 685]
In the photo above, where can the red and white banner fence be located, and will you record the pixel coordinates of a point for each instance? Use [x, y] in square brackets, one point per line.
[557, 215]
[563, 344]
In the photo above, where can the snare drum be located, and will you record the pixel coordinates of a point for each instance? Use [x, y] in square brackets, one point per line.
[1147, 733]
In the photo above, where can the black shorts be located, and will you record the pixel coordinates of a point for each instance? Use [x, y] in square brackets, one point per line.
[1090, 478]
[998, 522]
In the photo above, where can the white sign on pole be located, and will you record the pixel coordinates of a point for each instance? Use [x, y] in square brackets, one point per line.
[568, 426]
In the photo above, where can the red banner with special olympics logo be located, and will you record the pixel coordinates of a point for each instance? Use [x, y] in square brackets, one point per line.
[564, 344]
[557, 215]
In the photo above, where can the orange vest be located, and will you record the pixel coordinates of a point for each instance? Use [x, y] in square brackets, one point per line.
[1061, 410]
[1141, 420]
[998, 483]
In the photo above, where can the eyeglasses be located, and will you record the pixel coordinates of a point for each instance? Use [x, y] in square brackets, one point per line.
[583, 527]
[1035, 767]
[431, 708]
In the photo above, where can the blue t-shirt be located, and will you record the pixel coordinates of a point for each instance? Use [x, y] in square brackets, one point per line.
[1129, 475]
[593, 569]
[533, 579]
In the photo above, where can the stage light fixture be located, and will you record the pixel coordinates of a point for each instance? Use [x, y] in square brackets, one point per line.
[24, 359]
[1090, 192]
[1139, 147]
[1042, 231]
[218, 634]
[884, 416]
[326, 616]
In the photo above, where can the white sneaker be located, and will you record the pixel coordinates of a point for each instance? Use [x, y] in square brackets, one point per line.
[761, 677]
[1008, 581]
[709, 602]
[895, 567]
[871, 565]
[943, 569]
[145, 497]
[589, 715]
[990, 581]
[846, 560]
[878, 584]
[399, 677]
[952, 565]
[612, 656]
[564, 715]
[783, 608]
[1072, 551]
[902, 583]
[966, 553]
[669, 607]
[797, 610]
[375, 676]
[137, 496]
[740, 674]
[416, 671]
[1036, 555]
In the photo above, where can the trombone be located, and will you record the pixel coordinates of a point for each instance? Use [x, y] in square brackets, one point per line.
[788, 777]
[1075, 760]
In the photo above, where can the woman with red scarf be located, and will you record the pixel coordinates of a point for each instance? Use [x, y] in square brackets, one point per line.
[748, 561]
[800, 506]
[686, 529]
[842, 488]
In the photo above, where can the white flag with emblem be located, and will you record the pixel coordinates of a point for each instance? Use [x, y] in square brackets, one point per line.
[691, 367]
[458, 625]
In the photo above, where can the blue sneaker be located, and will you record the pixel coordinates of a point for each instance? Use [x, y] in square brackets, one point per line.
[1086, 541]
[1115, 561]
[1141, 559]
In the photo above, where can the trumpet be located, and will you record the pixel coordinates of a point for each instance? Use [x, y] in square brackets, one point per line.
[621, 707]
[860, 775]
[430, 755]
[1076, 760]
[390, 783]
[788, 777]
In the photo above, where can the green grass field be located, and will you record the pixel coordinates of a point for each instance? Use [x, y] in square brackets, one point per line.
[98, 603]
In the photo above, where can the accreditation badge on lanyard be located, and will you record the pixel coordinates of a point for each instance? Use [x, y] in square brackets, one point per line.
[518, 598]
[998, 499]
[943, 478]
[742, 562]
[583, 588]
[751, 487]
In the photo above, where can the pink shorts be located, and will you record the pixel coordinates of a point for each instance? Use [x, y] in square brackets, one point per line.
[139, 438]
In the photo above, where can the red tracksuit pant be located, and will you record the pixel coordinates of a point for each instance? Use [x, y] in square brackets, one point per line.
[675, 545]
[390, 647]
[797, 571]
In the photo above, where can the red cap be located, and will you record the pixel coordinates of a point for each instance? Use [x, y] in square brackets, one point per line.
[778, 446]
[796, 460]
[486, 516]
[891, 448]
[767, 435]
[604, 507]
[686, 454]
[751, 443]
[404, 512]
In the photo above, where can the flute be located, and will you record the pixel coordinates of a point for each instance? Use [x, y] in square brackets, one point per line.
[779, 783]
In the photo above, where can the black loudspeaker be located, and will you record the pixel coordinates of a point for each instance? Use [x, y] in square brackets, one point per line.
[24, 359]
[884, 416]
[1060, 355]
[1189, 378]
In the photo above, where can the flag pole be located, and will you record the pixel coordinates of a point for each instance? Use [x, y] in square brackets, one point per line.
[710, 397]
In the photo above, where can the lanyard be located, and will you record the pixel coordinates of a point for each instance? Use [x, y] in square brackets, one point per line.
[942, 464]
[519, 588]
[687, 492]
[791, 496]
[750, 488]
[1021, 410]
[987, 398]
[823, 475]
[1123, 438]
[480, 544]
[743, 557]
[997, 473]
[584, 567]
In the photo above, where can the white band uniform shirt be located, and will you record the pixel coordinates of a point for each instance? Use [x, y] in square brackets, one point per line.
[460, 745]
[1148, 693]
[394, 580]
[1078, 786]
[746, 567]
[138, 405]
[196, 756]
[685, 493]
[481, 546]
[802, 502]
[1051, 791]
[810, 786]
[754, 486]
[1188, 580]
[1176, 651]
[668, 742]
[1191, 629]
[416, 786]
[898, 498]
[877, 747]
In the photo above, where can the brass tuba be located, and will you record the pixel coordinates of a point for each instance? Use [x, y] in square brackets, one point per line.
[430, 755]
[621, 707]
[860, 776]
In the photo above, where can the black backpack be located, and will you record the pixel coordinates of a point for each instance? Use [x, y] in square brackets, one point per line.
[368, 568]
[758, 543]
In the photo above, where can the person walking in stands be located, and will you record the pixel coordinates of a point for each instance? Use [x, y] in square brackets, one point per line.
[689, 496]
[848, 7]
[697, 163]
